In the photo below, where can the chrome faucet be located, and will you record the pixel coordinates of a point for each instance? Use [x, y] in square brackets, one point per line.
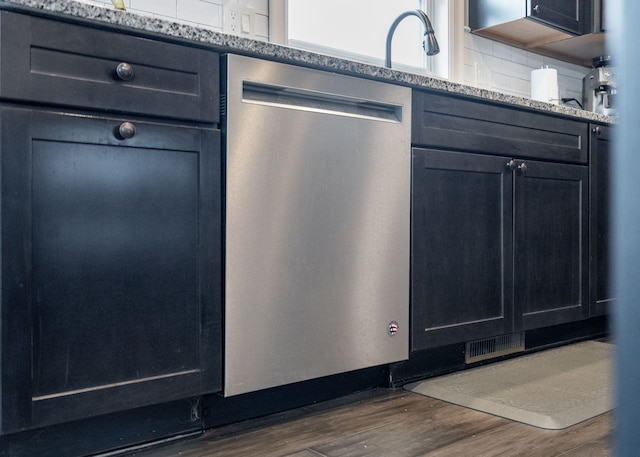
[430, 44]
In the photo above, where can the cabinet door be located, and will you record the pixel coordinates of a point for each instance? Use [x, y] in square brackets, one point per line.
[461, 247]
[600, 207]
[573, 16]
[111, 254]
[550, 244]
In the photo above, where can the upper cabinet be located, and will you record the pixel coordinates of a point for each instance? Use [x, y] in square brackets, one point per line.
[573, 17]
[570, 30]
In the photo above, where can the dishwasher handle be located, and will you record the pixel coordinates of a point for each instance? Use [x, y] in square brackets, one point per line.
[319, 102]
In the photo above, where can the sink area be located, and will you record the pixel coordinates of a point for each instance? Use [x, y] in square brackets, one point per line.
[239, 45]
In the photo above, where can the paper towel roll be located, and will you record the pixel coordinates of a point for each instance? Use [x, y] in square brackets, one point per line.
[544, 85]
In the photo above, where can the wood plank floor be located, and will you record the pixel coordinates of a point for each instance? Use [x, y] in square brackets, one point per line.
[392, 423]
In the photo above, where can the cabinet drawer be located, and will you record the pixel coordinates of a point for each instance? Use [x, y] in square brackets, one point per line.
[58, 63]
[466, 125]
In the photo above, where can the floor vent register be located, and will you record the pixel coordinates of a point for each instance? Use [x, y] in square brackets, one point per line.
[489, 348]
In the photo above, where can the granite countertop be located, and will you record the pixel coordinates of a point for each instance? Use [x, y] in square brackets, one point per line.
[231, 43]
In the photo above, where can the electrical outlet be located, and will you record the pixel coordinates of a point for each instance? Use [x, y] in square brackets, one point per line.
[238, 20]
[232, 20]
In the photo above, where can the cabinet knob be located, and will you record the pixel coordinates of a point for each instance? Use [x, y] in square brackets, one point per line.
[126, 130]
[536, 9]
[597, 130]
[124, 71]
[523, 167]
[511, 164]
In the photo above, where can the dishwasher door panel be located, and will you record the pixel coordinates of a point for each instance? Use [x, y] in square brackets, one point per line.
[317, 224]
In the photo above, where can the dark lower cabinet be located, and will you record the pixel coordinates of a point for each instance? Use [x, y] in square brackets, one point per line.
[551, 261]
[600, 203]
[498, 245]
[111, 257]
[462, 221]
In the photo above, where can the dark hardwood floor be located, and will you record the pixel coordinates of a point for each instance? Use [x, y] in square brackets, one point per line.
[392, 423]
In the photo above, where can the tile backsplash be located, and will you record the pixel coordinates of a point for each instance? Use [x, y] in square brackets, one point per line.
[495, 66]
[487, 63]
[203, 13]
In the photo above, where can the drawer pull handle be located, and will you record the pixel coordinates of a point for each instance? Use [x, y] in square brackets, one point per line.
[124, 71]
[597, 130]
[523, 167]
[511, 164]
[127, 130]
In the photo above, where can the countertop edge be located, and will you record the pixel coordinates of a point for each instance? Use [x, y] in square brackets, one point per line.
[234, 44]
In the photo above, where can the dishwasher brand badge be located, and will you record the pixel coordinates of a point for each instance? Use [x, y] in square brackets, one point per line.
[393, 328]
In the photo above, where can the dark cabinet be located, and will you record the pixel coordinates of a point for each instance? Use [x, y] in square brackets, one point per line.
[453, 123]
[111, 266]
[551, 270]
[58, 63]
[600, 227]
[569, 30]
[600, 17]
[461, 242]
[574, 17]
[498, 246]
[111, 244]
[571, 16]
[499, 220]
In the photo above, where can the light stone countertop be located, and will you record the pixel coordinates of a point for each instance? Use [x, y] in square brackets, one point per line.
[231, 43]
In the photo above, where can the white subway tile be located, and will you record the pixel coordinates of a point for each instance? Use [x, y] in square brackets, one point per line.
[261, 6]
[200, 12]
[470, 75]
[502, 51]
[482, 44]
[484, 76]
[535, 60]
[521, 87]
[501, 81]
[573, 71]
[569, 83]
[261, 26]
[159, 7]
[493, 62]
[471, 56]
[515, 70]
[520, 56]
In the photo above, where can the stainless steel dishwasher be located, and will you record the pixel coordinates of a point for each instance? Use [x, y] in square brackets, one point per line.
[317, 214]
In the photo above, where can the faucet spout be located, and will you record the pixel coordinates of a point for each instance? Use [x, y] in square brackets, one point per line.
[430, 44]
